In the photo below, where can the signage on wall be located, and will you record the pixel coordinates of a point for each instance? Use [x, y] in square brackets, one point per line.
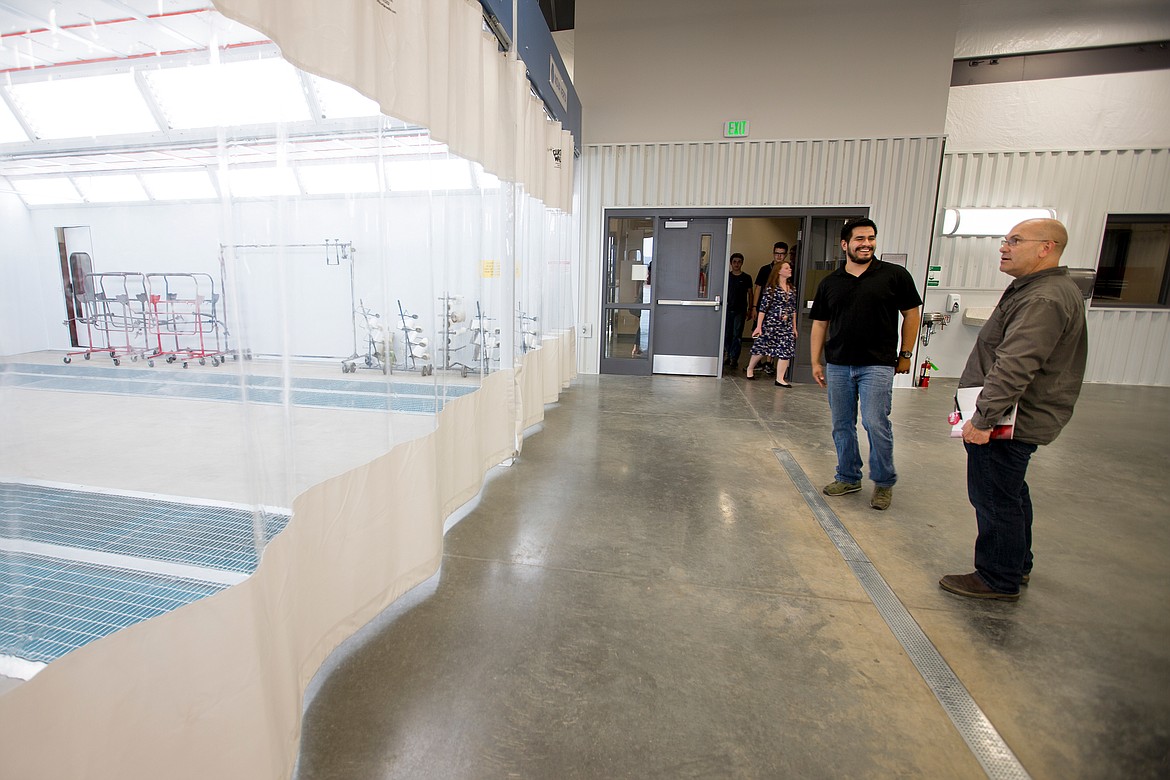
[557, 82]
[932, 272]
[735, 128]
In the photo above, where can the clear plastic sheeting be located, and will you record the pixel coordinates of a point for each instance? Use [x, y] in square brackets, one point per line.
[236, 416]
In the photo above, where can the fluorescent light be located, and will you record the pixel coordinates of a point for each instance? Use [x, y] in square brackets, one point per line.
[990, 221]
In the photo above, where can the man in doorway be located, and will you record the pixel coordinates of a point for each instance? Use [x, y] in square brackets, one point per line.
[1030, 354]
[779, 253]
[857, 308]
[739, 301]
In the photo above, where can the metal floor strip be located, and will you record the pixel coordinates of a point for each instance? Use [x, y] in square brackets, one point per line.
[99, 558]
[993, 754]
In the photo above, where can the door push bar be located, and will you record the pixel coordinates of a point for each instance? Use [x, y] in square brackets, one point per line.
[669, 302]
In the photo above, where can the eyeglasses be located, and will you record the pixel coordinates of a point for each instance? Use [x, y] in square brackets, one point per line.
[1013, 240]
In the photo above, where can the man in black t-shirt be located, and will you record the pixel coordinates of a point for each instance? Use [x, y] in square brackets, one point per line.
[857, 308]
[779, 254]
[739, 300]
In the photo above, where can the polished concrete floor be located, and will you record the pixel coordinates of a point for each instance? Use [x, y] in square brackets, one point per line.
[646, 594]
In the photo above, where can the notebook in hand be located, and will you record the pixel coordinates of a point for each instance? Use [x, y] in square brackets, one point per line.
[965, 398]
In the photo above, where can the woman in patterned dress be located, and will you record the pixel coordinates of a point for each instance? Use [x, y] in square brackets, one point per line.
[775, 332]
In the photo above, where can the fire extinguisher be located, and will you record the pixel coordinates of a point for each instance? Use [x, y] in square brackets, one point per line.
[927, 367]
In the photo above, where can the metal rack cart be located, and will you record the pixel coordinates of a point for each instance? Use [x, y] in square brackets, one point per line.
[529, 334]
[414, 343]
[113, 308]
[184, 316]
[379, 356]
[336, 252]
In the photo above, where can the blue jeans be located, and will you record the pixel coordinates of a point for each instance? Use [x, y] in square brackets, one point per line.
[733, 335]
[873, 386]
[1003, 511]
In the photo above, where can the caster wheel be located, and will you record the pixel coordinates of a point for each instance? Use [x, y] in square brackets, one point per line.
[133, 358]
[463, 372]
[68, 359]
[87, 356]
[150, 363]
[202, 361]
[170, 358]
[117, 362]
[184, 364]
[214, 362]
[236, 356]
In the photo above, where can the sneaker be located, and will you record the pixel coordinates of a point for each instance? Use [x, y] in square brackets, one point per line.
[881, 497]
[838, 488]
[973, 587]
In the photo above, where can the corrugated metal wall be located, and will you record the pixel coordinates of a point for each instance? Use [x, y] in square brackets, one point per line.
[895, 177]
[1127, 346]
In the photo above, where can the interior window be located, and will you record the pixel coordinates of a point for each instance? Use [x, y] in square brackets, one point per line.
[1135, 254]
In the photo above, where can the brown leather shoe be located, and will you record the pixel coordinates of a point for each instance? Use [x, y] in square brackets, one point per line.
[972, 586]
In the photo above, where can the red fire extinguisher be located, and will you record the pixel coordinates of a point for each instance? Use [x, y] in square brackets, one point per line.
[927, 367]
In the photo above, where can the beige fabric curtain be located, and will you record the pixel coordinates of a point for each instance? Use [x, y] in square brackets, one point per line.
[428, 62]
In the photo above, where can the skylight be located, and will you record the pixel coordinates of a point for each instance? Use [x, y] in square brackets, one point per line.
[40, 192]
[84, 107]
[436, 174]
[261, 182]
[342, 178]
[10, 130]
[341, 102]
[179, 185]
[111, 189]
[225, 94]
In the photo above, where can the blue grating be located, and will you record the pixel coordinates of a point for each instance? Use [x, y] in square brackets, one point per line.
[49, 607]
[211, 537]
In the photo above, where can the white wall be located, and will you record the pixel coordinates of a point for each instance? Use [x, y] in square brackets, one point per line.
[32, 305]
[1112, 111]
[675, 70]
[1013, 27]
[1086, 147]
[411, 248]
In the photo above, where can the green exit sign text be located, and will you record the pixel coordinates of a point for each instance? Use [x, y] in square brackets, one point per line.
[737, 128]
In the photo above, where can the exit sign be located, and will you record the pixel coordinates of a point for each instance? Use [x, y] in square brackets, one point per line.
[737, 128]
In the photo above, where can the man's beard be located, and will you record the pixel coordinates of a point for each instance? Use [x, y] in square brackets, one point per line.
[855, 259]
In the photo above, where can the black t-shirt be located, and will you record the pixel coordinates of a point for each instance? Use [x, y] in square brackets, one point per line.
[739, 292]
[763, 274]
[863, 313]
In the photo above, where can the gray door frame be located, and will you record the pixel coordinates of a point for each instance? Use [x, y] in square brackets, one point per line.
[801, 364]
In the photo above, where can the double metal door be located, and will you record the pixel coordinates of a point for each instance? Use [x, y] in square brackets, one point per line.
[691, 256]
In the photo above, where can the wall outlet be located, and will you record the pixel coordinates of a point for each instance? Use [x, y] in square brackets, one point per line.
[585, 330]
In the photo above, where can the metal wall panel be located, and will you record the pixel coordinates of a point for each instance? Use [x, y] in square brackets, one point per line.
[1127, 346]
[896, 177]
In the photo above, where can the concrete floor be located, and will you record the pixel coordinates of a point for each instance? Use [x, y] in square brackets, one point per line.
[646, 594]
